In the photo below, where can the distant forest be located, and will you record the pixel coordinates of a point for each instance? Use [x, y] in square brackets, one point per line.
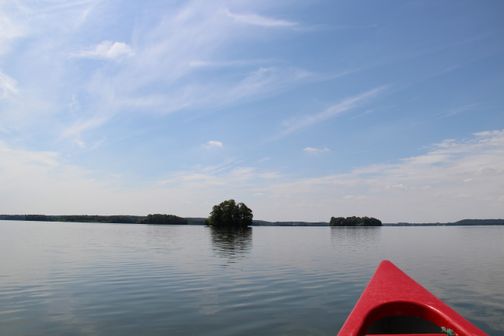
[123, 219]
[172, 219]
[463, 222]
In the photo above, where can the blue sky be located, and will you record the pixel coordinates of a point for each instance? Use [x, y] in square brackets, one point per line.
[301, 109]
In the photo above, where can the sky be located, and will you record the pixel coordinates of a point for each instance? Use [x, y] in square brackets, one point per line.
[303, 110]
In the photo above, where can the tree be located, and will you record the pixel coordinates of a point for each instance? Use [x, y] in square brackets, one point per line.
[230, 214]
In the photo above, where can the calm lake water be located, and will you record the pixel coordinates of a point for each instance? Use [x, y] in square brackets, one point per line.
[112, 279]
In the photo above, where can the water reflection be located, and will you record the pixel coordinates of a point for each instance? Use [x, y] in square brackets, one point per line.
[109, 279]
[231, 243]
[355, 238]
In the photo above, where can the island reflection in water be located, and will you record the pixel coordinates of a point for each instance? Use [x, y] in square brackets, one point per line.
[231, 243]
[124, 280]
[360, 235]
[348, 240]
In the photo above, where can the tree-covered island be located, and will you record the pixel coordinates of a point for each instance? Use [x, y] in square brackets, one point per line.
[354, 221]
[229, 214]
[163, 219]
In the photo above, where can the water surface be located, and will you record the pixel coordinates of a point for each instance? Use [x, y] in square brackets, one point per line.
[112, 279]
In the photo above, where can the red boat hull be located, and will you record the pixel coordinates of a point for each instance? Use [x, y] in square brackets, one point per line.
[392, 294]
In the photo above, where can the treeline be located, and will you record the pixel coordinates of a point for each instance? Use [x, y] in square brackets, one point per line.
[463, 222]
[246, 216]
[354, 221]
[288, 223]
[480, 222]
[122, 219]
[163, 219]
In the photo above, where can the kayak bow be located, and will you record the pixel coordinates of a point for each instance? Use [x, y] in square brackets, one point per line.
[394, 303]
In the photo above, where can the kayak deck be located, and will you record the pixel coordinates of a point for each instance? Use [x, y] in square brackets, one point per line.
[395, 304]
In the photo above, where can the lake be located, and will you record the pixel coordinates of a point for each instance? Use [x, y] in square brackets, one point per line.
[123, 279]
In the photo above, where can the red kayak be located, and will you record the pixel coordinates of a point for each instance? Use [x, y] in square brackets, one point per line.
[395, 304]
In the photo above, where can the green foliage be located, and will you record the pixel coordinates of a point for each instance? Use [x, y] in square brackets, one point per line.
[230, 214]
[354, 221]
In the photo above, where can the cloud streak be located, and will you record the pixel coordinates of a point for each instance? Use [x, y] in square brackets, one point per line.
[10, 30]
[347, 104]
[316, 150]
[261, 21]
[166, 74]
[107, 50]
[8, 87]
[75, 130]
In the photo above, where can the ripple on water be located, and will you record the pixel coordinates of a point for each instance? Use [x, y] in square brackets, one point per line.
[83, 279]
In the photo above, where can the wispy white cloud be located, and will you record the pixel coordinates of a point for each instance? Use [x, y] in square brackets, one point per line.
[21, 156]
[454, 179]
[199, 63]
[10, 30]
[212, 144]
[261, 21]
[163, 77]
[8, 86]
[106, 50]
[471, 107]
[22, 18]
[42, 81]
[267, 81]
[347, 104]
[316, 150]
[227, 176]
[75, 131]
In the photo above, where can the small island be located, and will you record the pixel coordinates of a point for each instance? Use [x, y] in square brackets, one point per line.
[354, 221]
[229, 214]
[163, 219]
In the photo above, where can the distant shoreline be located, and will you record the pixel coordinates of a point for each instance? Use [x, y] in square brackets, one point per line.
[128, 219]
